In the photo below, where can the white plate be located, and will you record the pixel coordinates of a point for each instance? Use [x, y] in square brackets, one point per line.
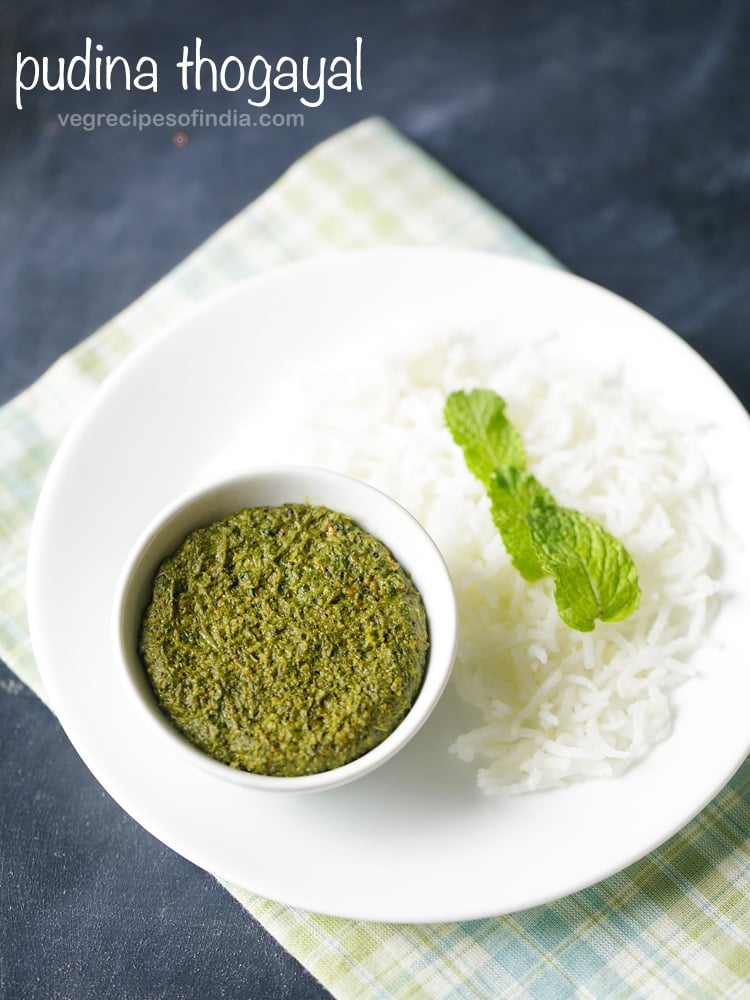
[414, 841]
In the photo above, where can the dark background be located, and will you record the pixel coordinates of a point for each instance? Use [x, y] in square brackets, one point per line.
[615, 131]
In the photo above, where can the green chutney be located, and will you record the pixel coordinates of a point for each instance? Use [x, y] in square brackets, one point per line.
[284, 640]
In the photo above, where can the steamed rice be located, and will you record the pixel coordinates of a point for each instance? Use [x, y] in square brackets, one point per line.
[552, 704]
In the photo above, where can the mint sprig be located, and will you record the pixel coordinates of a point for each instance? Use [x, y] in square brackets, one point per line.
[594, 576]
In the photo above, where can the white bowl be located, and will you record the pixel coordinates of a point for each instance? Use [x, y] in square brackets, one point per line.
[372, 510]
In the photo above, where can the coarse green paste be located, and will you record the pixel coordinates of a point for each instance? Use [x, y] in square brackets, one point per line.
[284, 640]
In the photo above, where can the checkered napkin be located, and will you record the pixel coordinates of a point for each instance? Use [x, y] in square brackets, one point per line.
[676, 924]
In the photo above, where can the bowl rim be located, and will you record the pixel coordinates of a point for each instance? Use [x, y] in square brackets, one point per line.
[440, 658]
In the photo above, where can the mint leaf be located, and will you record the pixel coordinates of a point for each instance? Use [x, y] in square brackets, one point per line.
[593, 573]
[479, 426]
[513, 493]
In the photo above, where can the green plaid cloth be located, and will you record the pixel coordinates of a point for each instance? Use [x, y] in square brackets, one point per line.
[676, 924]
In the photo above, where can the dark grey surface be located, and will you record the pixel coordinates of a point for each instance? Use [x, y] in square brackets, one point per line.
[615, 132]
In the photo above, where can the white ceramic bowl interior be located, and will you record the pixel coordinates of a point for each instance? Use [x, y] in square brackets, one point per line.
[371, 509]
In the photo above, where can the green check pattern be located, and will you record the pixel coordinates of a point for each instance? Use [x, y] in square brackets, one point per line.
[674, 925]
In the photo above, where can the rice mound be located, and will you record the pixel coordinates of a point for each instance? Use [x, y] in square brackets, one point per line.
[553, 705]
